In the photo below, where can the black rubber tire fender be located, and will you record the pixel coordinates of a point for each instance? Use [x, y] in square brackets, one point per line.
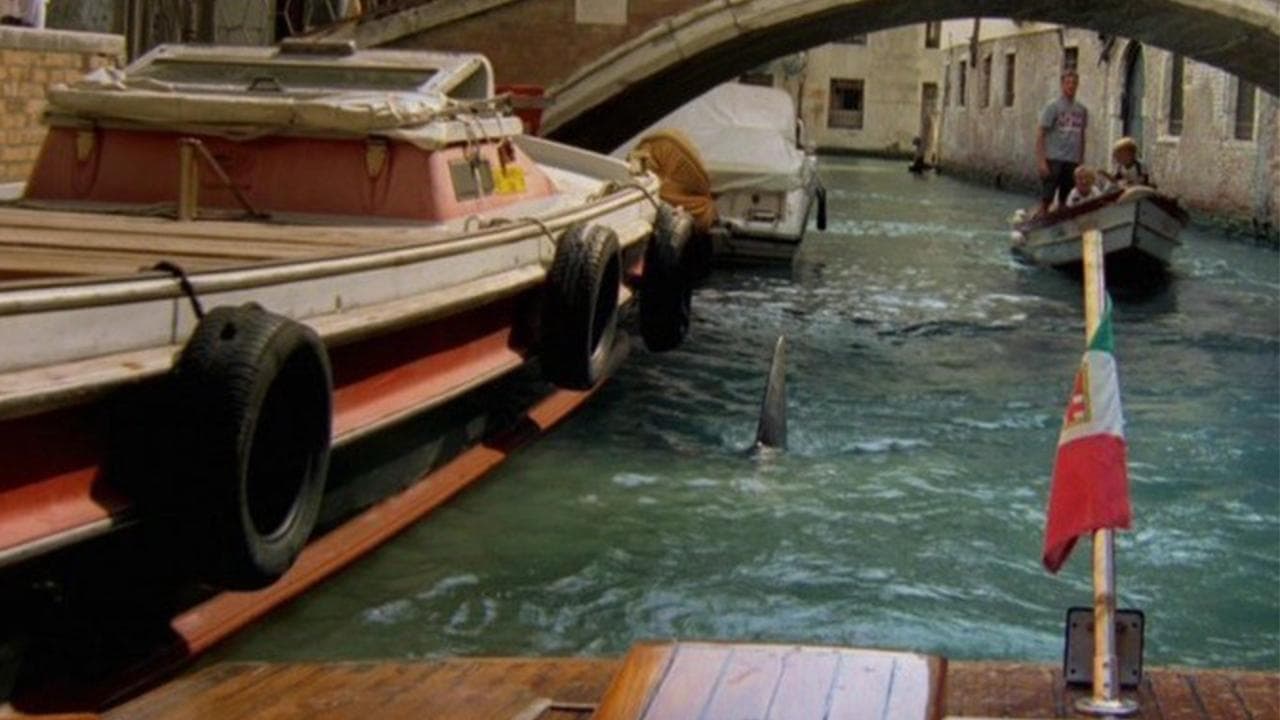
[666, 288]
[580, 308]
[256, 391]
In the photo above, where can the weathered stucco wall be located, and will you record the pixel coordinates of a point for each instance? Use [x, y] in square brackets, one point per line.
[893, 65]
[33, 60]
[1204, 165]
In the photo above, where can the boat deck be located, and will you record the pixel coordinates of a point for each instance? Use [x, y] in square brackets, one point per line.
[571, 689]
[63, 243]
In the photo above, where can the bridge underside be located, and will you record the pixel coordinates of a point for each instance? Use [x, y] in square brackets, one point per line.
[602, 105]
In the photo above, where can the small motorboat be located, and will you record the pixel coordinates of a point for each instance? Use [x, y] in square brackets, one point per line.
[743, 146]
[1139, 227]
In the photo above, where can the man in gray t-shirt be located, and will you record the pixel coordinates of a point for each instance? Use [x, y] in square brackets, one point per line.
[1060, 142]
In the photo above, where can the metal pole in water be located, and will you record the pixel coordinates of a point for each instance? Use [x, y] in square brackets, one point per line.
[1105, 699]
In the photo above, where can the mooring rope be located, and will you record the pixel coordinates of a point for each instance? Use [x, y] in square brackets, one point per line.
[184, 282]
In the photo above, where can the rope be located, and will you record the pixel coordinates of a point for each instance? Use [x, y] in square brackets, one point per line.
[545, 231]
[184, 282]
[657, 203]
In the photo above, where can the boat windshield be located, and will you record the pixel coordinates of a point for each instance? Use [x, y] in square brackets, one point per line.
[221, 75]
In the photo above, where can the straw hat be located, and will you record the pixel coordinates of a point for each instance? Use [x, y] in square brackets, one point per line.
[1124, 143]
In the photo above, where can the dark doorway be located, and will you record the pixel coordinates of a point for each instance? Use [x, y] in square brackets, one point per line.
[1131, 98]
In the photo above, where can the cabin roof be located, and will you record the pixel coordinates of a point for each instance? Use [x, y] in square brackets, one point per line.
[311, 67]
[427, 98]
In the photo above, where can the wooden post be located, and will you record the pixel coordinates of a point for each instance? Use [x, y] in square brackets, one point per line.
[1105, 699]
[188, 180]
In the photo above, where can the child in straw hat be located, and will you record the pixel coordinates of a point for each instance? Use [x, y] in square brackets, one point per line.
[1128, 170]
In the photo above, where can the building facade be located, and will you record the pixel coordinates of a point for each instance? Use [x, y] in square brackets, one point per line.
[1206, 136]
[871, 94]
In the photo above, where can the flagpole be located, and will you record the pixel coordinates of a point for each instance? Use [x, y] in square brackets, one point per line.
[1105, 699]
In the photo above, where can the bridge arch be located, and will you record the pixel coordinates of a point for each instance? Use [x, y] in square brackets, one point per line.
[612, 98]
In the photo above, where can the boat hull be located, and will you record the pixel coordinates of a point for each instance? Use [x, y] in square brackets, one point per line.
[1139, 234]
[408, 326]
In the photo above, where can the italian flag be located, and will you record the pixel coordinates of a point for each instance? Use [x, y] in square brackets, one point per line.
[1090, 488]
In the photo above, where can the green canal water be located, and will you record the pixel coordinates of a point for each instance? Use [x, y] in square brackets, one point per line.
[928, 374]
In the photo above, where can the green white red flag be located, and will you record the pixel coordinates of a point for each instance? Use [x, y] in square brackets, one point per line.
[1090, 488]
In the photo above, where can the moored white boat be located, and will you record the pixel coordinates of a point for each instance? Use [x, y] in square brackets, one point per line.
[1139, 229]
[764, 181]
[228, 260]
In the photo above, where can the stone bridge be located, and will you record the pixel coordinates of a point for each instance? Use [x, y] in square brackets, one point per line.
[613, 67]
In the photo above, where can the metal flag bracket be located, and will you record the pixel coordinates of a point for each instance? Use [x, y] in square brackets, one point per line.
[1077, 654]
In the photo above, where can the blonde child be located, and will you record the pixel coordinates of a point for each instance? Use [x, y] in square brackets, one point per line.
[1128, 170]
[1086, 187]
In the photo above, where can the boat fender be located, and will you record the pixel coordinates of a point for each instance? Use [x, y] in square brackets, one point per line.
[255, 390]
[580, 308]
[666, 289]
[822, 208]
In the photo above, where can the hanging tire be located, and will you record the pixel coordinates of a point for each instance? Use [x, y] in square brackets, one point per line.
[255, 392]
[666, 289]
[580, 309]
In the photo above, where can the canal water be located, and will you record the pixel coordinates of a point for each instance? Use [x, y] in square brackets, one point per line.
[928, 374]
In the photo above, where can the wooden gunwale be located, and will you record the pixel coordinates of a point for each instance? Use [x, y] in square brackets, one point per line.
[155, 286]
[1165, 203]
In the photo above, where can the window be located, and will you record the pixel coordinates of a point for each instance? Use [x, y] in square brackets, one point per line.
[1008, 79]
[1070, 58]
[756, 77]
[986, 81]
[853, 40]
[933, 35]
[1176, 67]
[946, 85]
[845, 110]
[1245, 98]
[962, 79]
[471, 181]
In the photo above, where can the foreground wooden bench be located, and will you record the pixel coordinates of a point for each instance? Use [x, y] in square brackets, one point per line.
[670, 681]
[574, 688]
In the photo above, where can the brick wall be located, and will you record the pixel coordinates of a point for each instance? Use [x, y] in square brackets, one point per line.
[538, 41]
[31, 61]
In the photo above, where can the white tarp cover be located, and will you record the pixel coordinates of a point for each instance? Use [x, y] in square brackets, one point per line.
[746, 135]
[415, 117]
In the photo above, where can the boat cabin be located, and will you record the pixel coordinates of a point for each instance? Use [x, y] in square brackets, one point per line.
[300, 130]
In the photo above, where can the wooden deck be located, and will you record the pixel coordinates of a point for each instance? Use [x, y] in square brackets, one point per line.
[570, 688]
[59, 243]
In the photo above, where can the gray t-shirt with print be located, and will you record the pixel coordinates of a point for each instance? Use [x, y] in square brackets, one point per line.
[1064, 122]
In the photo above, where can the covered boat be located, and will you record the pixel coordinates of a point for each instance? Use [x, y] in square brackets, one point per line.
[763, 181]
[228, 260]
[1139, 229]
